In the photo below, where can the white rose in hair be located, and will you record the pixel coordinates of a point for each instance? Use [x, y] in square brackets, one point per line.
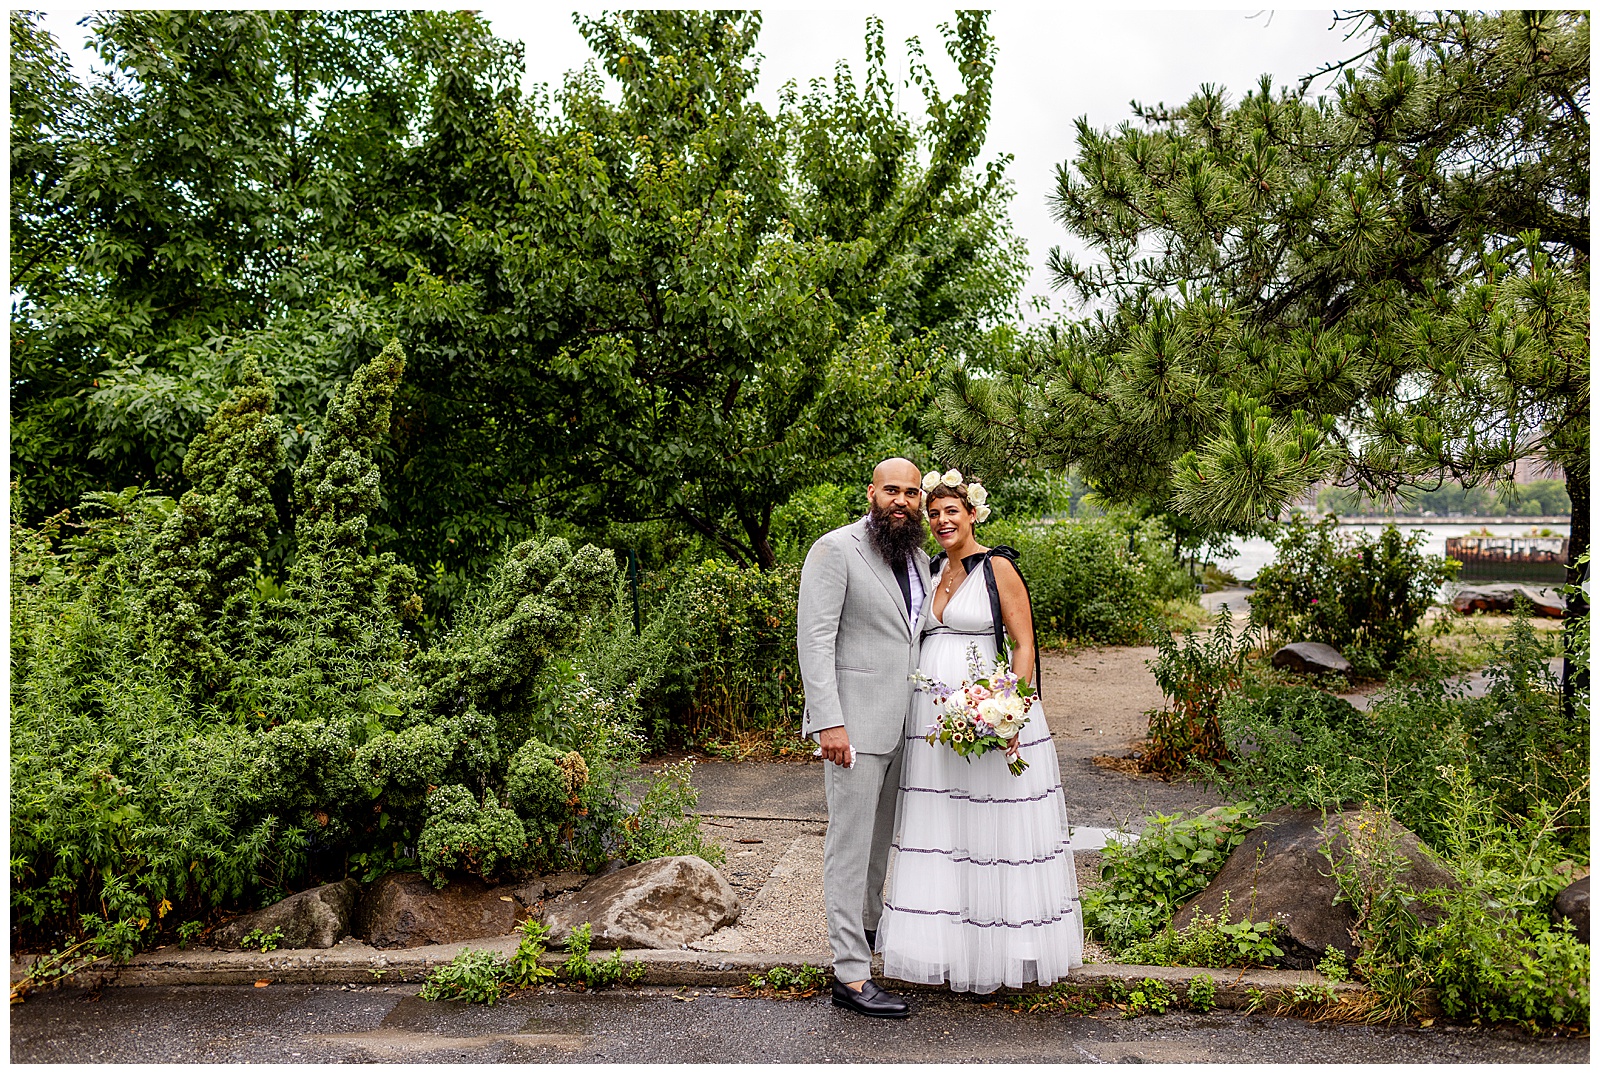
[983, 513]
[952, 478]
[930, 480]
[977, 495]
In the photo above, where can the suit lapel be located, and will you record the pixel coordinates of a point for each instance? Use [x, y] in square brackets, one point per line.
[920, 558]
[884, 572]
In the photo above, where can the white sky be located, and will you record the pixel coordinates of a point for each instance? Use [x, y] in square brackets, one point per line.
[1053, 66]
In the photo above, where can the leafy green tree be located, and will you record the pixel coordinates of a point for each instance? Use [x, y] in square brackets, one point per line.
[675, 306]
[691, 302]
[181, 213]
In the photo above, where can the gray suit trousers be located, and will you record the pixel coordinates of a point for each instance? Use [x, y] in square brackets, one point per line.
[855, 856]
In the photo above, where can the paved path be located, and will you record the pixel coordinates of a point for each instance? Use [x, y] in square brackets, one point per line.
[311, 1024]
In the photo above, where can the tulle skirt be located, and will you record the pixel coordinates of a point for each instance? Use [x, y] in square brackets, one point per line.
[982, 891]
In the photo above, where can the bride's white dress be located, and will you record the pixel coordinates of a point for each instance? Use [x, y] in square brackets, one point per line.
[982, 890]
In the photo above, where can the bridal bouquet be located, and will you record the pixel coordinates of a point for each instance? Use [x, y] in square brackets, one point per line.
[986, 712]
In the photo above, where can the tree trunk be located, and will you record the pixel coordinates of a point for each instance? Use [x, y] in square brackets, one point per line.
[1572, 679]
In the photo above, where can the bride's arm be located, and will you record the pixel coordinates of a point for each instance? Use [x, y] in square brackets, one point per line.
[1018, 617]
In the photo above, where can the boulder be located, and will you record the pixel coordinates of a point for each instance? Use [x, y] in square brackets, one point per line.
[1573, 904]
[1502, 598]
[1279, 873]
[1311, 658]
[319, 917]
[662, 903]
[406, 910]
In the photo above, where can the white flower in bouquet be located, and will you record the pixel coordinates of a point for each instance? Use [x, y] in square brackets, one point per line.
[1009, 716]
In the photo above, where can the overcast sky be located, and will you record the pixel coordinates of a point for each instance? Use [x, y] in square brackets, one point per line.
[1053, 66]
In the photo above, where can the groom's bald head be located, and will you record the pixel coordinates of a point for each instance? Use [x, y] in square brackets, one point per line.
[899, 472]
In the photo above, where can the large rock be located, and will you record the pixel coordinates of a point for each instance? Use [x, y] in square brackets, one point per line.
[1311, 658]
[405, 910]
[1573, 904]
[1502, 598]
[319, 917]
[1280, 873]
[662, 903]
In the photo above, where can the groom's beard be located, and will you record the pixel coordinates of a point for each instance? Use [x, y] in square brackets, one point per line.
[895, 539]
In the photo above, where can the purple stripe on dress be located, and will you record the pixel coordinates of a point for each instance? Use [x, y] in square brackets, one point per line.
[1025, 745]
[956, 795]
[1065, 848]
[980, 924]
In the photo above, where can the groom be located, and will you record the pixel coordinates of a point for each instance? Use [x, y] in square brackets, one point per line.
[862, 592]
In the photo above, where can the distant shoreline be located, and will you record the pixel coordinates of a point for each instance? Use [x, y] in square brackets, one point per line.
[1455, 520]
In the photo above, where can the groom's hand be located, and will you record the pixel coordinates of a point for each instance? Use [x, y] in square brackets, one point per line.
[835, 743]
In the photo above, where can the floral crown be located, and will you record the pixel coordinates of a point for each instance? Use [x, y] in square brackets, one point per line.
[975, 494]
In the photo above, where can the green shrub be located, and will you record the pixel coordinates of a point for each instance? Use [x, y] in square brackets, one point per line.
[716, 656]
[1297, 746]
[461, 836]
[1146, 881]
[1363, 595]
[1084, 584]
[141, 779]
[1497, 786]
[544, 786]
[810, 513]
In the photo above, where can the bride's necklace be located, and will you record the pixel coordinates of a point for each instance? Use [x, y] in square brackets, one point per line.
[949, 581]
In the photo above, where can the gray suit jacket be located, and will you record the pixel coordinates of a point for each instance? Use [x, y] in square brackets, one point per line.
[858, 646]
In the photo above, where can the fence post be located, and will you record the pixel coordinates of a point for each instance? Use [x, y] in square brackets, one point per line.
[633, 584]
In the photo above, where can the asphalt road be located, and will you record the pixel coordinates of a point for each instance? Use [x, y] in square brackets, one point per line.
[326, 1024]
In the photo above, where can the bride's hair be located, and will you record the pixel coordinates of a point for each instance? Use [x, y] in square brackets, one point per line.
[942, 491]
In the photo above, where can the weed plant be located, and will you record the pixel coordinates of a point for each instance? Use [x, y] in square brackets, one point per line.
[473, 976]
[1145, 882]
[1196, 677]
[1209, 941]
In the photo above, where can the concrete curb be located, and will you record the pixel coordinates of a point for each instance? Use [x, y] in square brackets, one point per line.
[353, 962]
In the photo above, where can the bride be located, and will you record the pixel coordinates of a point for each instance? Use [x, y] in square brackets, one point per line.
[983, 891]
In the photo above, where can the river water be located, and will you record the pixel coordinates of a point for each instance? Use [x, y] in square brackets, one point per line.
[1256, 552]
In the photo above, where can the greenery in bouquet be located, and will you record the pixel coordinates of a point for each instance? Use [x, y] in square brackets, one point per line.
[986, 712]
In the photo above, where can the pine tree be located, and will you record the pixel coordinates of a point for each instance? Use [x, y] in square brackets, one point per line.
[1390, 287]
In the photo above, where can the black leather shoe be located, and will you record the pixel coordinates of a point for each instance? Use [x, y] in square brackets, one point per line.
[872, 939]
[871, 1001]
